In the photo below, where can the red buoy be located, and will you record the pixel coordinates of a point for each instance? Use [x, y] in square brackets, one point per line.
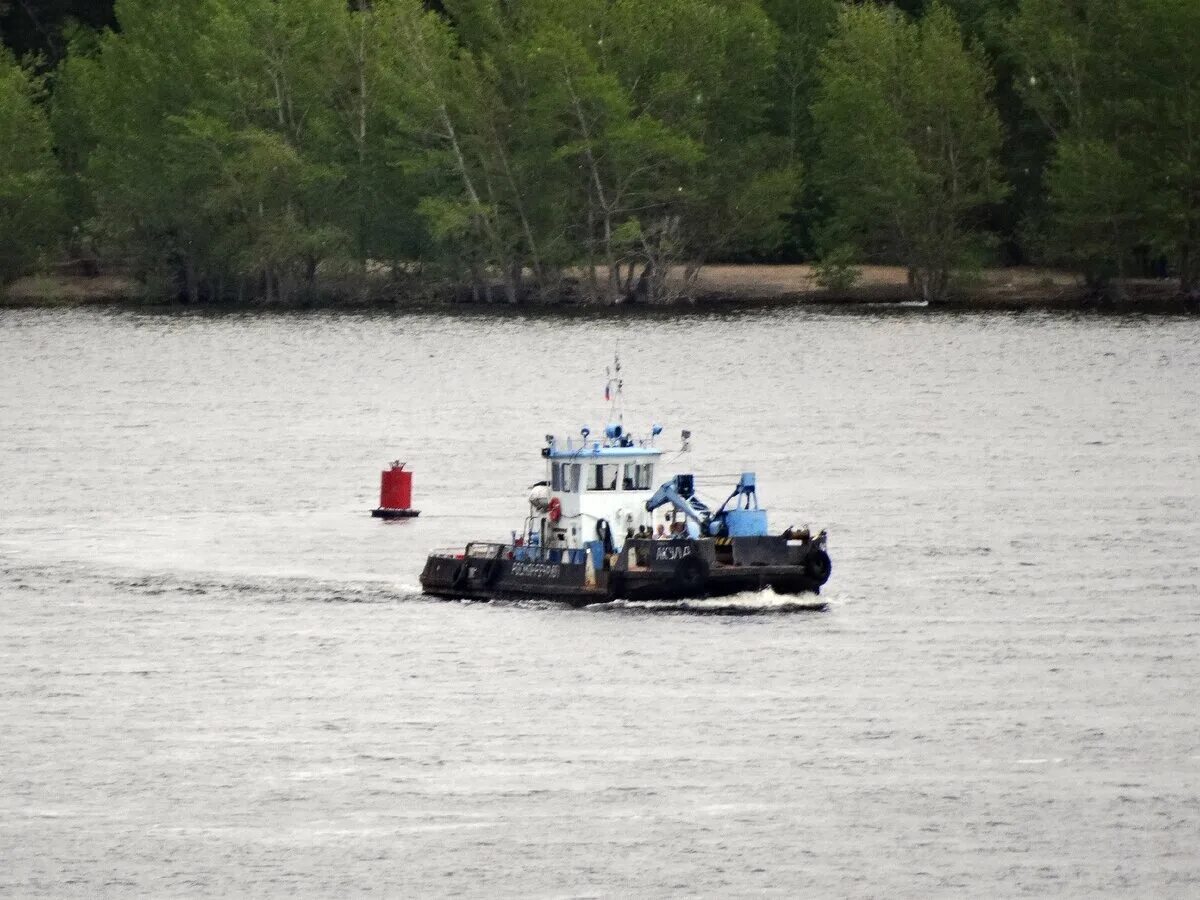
[395, 494]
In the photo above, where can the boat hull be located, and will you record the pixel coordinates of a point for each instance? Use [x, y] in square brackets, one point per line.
[485, 578]
[643, 571]
[720, 582]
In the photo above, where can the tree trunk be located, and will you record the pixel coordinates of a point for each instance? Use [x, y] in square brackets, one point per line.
[1189, 263]
[361, 136]
[191, 283]
[610, 260]
[628, 286]
[691, 272]
[517, 280]
[644, 290]
[450, 133]
[518, 205]
[593, 282]
[928, 283]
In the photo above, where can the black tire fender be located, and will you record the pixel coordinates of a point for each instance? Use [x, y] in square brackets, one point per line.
[616, 585]
[818, 565]
[491, 570]
[461, 576]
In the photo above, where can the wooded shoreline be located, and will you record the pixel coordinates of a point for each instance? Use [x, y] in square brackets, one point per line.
[542, 152]
[715, 287]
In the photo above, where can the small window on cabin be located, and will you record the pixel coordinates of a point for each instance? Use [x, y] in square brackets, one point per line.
[637, 477]
[645, 477]
[564, 477]
[603, 478]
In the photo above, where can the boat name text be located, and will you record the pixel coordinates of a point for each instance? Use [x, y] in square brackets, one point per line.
[673, 552]
[535, 570]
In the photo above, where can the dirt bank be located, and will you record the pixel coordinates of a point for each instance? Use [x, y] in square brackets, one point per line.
[1012, 289]
[758, 285]
[70, 290]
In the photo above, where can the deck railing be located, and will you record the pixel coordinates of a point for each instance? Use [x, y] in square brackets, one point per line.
[522, 553]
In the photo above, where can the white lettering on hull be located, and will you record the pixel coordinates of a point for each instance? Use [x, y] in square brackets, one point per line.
[544, 571]
[673, 552]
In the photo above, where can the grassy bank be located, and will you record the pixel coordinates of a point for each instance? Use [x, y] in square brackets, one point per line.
[756, 285]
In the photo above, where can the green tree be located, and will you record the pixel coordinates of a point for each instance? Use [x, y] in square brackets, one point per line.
[30, 201]
[1094, 199]
[604, 138]
[271, 136]
[436, 104]
[120, 99]
[805, 26]
[375, 202]
[1118, 84]
[909, 141]
[213, 149]
[647, 126]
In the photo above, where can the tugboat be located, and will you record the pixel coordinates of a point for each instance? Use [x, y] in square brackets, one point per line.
[598, 530]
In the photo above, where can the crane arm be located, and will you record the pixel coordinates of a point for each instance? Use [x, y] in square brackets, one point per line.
[669, 493]
[745, 488]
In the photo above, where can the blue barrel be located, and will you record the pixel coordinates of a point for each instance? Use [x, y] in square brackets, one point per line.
[746, 522]
[597, 551]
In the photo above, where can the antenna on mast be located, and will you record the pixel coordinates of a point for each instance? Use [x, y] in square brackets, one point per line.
[614, 389]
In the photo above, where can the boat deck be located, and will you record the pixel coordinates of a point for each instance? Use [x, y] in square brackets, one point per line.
[644, 570]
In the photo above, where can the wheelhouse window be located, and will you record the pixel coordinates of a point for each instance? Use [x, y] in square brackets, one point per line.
[603, 478]
[564, 477]
[638, 477]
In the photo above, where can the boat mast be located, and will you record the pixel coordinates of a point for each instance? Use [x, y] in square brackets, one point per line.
[614, 390]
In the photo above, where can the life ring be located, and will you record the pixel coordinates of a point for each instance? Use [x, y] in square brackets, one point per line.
[691, 575]
[554, 509]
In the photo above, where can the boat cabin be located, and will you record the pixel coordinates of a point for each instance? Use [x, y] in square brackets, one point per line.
[596, 491]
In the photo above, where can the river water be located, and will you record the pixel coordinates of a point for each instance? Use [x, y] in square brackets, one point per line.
[217, 675]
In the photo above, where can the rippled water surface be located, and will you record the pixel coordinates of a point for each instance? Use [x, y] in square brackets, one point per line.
[217, 676]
